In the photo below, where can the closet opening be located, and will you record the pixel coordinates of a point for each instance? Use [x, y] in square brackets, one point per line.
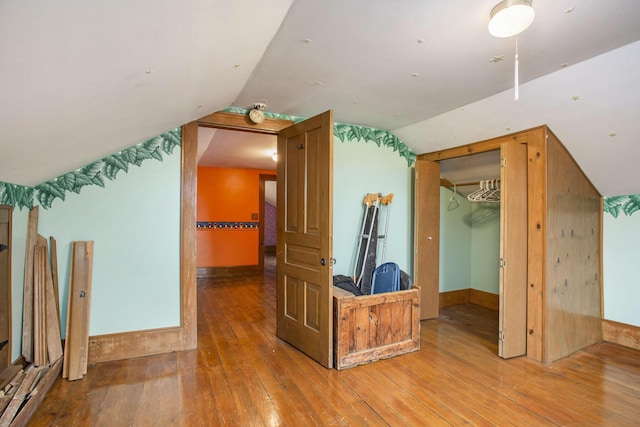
[470, 199]
[471, 231]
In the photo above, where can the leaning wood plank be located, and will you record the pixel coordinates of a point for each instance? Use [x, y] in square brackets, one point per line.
[77, 343]
[17, 380]
[18, 398]
[54, 341]
[27, 308]
[37, 395]
[6, 399]
[39, 334]
[8, 374]
[54, 273]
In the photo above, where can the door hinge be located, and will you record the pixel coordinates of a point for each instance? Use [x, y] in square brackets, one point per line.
[3, 247]
[503, 263]
[503, 162]
[500, 336]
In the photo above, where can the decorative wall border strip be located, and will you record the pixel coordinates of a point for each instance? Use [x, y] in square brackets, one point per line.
[227, 226]
[16, 195]
[626, 204]
[348, 132]
[91, 174]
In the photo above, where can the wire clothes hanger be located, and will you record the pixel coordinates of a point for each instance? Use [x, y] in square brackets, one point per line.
[453, 201]
[489, 191]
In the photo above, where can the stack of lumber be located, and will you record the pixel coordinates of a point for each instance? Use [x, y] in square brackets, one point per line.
[41, 340]
[22, 388]
[22, 393]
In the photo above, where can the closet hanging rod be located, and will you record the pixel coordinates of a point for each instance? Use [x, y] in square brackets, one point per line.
[446, 183]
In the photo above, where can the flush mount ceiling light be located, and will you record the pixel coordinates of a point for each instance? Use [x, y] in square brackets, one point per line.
[511, 17]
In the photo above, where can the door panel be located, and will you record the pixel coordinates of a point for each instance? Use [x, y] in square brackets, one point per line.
[426, 263]
[305, 235]
[513, 251]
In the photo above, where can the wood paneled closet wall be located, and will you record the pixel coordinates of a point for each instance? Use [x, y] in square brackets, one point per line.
[562, 262]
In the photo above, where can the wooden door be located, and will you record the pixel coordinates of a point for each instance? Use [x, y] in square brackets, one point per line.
[305, 236]
[512, 338]
[5, 286]
[426, 262]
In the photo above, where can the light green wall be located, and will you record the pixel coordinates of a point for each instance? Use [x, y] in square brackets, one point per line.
[455, 242]
[135, 225]
[361, 168]
[485, 247]
[469, 244]
[621, 254]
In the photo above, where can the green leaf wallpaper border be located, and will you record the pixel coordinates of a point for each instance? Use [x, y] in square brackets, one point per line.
[347, 132]
[16, 195]
[626, 204]
[91, 174]
[108, 167]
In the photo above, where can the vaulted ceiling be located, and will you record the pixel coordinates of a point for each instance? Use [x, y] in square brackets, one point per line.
[80, 80]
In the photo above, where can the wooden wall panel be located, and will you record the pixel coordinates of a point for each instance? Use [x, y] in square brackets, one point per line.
[536, 223]
[572, 311]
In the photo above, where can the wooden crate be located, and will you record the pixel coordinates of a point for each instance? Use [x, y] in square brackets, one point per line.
[373, 327]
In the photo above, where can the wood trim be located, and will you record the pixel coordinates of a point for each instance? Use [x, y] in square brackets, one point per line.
[470, 296]
[476, 147]
[449, 298]
[9, 210]
[621, 333]
[224, 120]
[600, 259]
[126, 345]
[188, 285]
[235, 270]
[484, 299]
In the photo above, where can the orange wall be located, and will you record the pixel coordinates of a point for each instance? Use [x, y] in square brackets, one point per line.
[227, 195]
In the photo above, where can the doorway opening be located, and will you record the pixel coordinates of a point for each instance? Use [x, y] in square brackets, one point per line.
[268, 202]
[470, 243]
[236, 204]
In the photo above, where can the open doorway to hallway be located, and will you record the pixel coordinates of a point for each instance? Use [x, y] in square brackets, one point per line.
[235, 201]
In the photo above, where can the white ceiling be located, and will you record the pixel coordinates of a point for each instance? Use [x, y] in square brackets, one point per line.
[81, 80]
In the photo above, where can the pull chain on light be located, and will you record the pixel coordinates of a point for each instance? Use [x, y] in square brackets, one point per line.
[515, 76]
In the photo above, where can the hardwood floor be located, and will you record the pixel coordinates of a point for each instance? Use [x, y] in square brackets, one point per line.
[241, 374]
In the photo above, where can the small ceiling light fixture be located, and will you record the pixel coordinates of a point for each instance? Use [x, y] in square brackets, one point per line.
[256, 114]
[511, 17]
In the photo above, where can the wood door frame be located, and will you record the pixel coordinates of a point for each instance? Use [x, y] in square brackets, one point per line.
[9, 208]
[261, 212]
[126, 345]
[535, 139]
